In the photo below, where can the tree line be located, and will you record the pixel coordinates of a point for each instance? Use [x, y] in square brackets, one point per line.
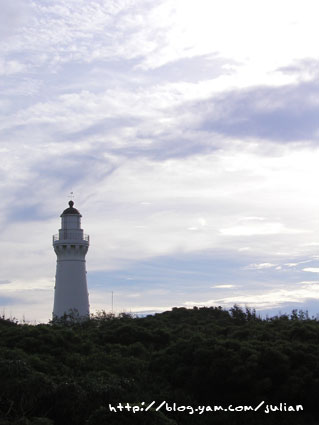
[71, 372]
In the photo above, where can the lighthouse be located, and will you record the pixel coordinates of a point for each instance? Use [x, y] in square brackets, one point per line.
[71, 245]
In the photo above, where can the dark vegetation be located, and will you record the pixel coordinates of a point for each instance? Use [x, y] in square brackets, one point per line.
[67, 373]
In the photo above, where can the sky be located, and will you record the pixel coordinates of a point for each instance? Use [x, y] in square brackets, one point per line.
[188, 132]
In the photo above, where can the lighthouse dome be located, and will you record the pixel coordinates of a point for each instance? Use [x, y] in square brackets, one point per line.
[71, 209]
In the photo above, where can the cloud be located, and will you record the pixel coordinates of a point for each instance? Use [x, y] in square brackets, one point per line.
[7, 301]
[11, 67]
[305, 69]
[281, 114]
[249, 230]
[191, 69]
[224, 286]
[311, 269]
[23, 303]
[309, 282]
[267, 300]
[260, 266]
[14, 15]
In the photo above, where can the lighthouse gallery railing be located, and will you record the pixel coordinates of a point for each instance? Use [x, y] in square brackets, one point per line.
[71, 236]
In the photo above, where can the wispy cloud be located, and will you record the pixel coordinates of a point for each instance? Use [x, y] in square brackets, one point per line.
[311, 269]
[267, 300]
[260, 266]
[227, 286]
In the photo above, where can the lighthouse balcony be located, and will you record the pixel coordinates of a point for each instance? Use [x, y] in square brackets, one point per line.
[69, 237]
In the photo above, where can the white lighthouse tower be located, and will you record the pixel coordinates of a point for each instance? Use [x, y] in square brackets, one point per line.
[71, 245]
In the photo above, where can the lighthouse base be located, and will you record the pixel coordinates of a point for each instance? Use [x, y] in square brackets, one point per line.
[71, 294]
